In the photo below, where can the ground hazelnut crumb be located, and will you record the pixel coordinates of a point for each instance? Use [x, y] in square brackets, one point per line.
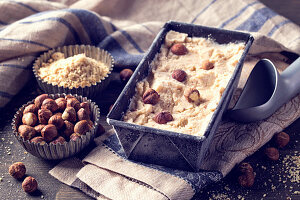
[73, 72]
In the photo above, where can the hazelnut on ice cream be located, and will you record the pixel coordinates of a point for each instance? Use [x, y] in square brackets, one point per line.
[186, 81]
[72, 72]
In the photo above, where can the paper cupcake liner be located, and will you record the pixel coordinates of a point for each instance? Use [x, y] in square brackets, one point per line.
[90, 51]
[57, 151]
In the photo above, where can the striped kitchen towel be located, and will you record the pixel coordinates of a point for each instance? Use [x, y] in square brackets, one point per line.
[126, 29]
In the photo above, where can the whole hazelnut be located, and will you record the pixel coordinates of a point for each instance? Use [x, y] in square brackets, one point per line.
[69, 128]
[57, 121]
[73, 102]
[125, 75]
[39, 140]
[29, 184]
[29, 119]
[39, 128]
[179, 49]
[245, 168]
[49, 132]
[82, 127]
[272, 153]
[150, 97]
[75, 136]
[44, 115]
[39, 100]
[282, 139]
[163, 117]
[192, 95]
[207, 65]
[30, 108]
[246, 180]
[17, 170]
[61, 103]
[179, 75]
[27, 132]
[86, 106]
[49, 104]
[59, 140]
[82, 114]
[69, 114]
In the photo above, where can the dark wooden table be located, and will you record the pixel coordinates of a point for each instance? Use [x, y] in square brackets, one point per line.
[273, 179]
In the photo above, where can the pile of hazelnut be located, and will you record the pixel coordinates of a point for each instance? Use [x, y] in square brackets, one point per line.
[55, 121]
[191, 94]
[247, 176]
[18, 170]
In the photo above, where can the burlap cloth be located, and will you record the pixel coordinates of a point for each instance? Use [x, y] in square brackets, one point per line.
[126, 29]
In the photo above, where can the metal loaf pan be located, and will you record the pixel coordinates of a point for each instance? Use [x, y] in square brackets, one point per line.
[166, 148]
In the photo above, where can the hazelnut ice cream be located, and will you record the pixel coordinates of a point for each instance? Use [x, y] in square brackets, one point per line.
[187, 79]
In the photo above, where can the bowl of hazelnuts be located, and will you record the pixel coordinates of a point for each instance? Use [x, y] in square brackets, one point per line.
[56, 126]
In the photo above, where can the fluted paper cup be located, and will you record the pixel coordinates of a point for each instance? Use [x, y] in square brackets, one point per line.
[58, 151]
[69, 51]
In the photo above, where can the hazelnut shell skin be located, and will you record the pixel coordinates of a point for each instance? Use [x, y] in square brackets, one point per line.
[68, 129]
[39, 140]
[49, 104]
[75, 136]
[150, 97]
[82, 114]
[282, 139]
[38, 128]
[86, 106]
[163, 117]
[26, 132]
[207, 65]
[17, 170]
[29, 119]
[61, 103]
[246, 180]
[44, 116]
[125, 75]
[73, 102]
[29, 184]
[245, 168]
[179, 49]
[82, 127]
[49, 132]
[179, 75]
[57, 121]
[59, 140]
[39, 100]
[272, 153]
[30, 108]
[69, 114]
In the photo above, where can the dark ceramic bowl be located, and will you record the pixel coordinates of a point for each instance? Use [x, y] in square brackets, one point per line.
[58, 151]
[161, 147]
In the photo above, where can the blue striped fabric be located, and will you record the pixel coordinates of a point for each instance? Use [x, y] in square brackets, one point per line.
[62, 21]
[238, 14]
[24, 5]
[26, 41]
[278, 26]
[203, 10]
[87, 27]
[256, 20]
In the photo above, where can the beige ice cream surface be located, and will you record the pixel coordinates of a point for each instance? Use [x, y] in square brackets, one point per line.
[188, 118]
